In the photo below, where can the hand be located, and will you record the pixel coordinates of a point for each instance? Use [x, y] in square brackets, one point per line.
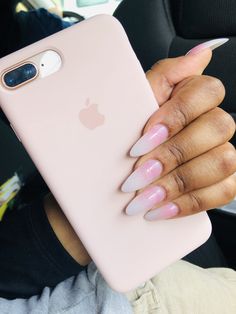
[172, 78]
[187, 163]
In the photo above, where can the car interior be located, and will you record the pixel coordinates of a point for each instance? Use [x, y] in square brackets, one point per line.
[157, 29]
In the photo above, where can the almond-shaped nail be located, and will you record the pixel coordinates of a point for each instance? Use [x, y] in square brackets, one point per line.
[150, 140]
[149, 171]
[146, 200]
[167, 211]
[212, 44]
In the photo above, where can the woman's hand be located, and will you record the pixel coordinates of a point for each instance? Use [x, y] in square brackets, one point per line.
[187, 163]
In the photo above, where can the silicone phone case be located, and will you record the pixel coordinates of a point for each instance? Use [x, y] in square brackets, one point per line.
[101, 83]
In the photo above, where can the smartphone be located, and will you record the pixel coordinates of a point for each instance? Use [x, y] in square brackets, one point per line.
[78, 100]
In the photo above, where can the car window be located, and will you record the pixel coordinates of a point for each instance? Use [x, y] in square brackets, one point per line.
[86, 8]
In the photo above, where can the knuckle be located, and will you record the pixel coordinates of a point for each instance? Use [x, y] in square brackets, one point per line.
[228, 159]
[176, 153]
[229, 190]
[224, 123]
[214, 87]
[179, 112]
[179, 181]
[195, 203]
[161, 61]
[164, 82]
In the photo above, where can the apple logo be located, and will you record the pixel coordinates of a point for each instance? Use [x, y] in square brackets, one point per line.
[90, 116]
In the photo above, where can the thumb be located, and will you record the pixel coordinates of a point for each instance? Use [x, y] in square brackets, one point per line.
[165, 74]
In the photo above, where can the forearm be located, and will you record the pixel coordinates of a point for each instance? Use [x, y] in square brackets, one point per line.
[33, 255]
[64, 231]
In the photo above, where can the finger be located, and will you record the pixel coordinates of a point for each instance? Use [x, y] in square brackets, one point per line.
[199, 95]
[194, 202]
[208, 131]
[211, 129]
[203, 171]
[165, 74]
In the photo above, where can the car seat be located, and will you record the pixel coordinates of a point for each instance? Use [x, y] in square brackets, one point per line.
[168, 28]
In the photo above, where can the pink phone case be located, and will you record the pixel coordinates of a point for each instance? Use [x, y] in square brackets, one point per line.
[102, 83]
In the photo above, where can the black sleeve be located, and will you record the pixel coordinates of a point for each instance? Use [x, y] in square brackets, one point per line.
[31, 256]
[38, 24]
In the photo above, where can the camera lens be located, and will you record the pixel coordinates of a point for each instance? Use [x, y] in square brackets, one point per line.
[20, 75]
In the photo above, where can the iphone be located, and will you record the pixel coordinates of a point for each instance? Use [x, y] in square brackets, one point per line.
[78, 101]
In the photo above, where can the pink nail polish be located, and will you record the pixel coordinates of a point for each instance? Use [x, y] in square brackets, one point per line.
[150, 140]
[146, 200]
[212, 44]
[143, 176]
[167, 211]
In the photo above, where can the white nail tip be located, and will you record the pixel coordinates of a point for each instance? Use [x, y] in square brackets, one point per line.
[212, 44]
[136, 152]
[215, 43]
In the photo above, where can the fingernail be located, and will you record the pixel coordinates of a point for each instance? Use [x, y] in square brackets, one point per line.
[150, 140]
[144, 175]
[167, 211]
[212, 44]
[146, 200]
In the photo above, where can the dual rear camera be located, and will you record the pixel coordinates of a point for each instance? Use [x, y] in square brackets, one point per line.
[38, 66]
[20, 75]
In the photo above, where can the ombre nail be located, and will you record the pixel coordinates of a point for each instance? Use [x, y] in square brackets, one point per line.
[150, 140]
[143, 176]
[212, 44]
[167, 211]
[146, 200]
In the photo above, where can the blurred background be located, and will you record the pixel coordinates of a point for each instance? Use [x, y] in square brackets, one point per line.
[86, 8]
